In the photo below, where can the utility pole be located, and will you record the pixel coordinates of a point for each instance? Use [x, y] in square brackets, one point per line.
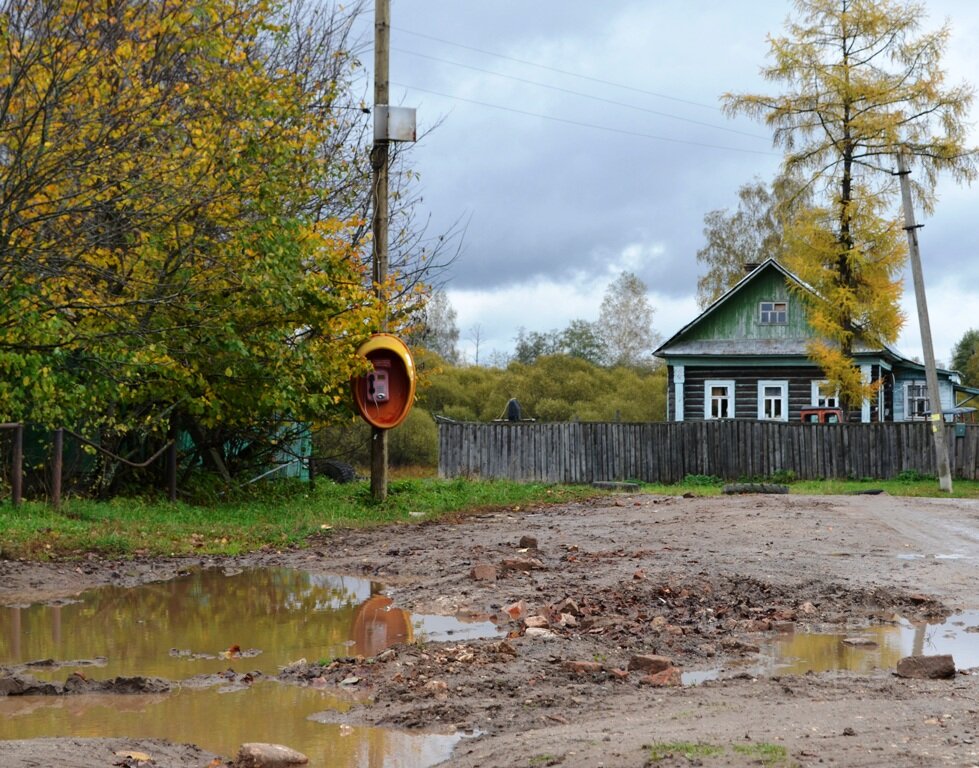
[379, 224]
[931, 372]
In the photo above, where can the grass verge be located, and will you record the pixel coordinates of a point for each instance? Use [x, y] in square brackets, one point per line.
[278, 515]
[916, 485]
[285, 514]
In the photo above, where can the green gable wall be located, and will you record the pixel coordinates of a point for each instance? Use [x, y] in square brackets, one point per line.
[738, 317]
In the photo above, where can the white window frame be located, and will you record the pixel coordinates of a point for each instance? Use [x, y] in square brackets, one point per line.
[910, 413]
[709, 399]
[782, 400]
[777, 312]
[820, 400]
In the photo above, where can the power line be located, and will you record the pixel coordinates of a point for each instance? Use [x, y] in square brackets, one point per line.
[580, 124]
[582, 95]
[560, 71]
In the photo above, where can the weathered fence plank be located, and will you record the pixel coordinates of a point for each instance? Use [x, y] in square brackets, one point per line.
[667, 452]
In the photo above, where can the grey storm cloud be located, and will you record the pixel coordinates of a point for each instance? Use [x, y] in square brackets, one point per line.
[568, 134]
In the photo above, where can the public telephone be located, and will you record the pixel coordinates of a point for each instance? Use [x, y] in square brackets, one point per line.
[384, 393]
[377, 387]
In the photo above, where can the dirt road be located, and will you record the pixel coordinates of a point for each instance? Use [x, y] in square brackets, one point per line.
[588, 592]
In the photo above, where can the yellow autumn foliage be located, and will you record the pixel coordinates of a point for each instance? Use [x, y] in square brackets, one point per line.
[165, 254]
[861, 82]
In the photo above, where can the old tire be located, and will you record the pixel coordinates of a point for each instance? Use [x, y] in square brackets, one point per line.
[338, 471]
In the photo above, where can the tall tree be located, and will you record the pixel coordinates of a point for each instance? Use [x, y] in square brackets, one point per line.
[751, 234]
[533, 344]
[965, 357]
[625, 323]
[436, 329]
[862, 83]
[164, 252]
[582, 339]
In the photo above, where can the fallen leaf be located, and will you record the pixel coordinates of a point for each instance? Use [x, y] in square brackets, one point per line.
[130, 755]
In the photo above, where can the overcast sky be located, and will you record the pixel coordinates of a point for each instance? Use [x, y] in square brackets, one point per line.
[578, 139]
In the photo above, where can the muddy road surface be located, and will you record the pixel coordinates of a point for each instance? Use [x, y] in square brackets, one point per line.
[634, 627]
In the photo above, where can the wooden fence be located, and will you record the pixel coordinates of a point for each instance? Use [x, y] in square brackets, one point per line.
[668, 452]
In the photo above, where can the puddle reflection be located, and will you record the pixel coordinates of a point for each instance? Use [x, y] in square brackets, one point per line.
[187, 626]
[274, 616]
[221, 722]
[861, 651]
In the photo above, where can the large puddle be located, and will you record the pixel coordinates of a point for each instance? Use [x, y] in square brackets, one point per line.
[194, 625]
[862, 651]
[879, 647]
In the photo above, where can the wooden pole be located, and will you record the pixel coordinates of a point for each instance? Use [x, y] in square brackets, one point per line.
[17, 471]
[172, 469]
[379, 228]
[57, 454]
[931, 371]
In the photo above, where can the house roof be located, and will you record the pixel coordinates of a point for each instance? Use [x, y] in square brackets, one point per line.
[677, 346]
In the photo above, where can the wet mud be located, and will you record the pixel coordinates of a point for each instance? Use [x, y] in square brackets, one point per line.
[626, 624]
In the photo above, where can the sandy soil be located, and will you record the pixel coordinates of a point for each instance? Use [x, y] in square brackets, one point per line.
[591, 588]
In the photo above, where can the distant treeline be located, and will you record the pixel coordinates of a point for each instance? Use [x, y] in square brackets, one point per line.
[552, 388]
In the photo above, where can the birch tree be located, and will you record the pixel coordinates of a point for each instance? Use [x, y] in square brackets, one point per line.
[625, 323]
[752, 233]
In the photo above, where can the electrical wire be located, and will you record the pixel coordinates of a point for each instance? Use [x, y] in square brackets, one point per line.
[582, 95]
[559, 71]
[582, 124]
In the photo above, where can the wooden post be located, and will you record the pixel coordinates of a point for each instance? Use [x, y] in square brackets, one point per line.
[17, 471]
[379, 225]
[172, 469]
[57, 451]
[931, 372]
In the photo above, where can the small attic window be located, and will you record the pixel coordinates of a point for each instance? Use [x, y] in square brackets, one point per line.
[773, 313]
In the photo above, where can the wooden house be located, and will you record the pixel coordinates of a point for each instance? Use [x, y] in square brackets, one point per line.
[744, 357]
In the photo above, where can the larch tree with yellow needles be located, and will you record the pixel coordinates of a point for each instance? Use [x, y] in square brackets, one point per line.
[861, 82]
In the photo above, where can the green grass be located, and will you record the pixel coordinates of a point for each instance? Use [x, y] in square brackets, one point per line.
[766, 754]
[961, 489]
[287, 514]
[911, 484]
[689, 750]
[544, 759]
[771, 755]
[278, 515]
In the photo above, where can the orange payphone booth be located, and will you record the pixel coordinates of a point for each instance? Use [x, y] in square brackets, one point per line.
[384, 396]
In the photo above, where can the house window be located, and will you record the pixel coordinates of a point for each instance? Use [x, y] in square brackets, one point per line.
[825, 396]
[774, 312]
[718, 399]
[773, 400]
[916, 400]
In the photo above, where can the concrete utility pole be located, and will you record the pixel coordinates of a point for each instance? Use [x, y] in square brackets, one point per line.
[931, 372]
[379, 225]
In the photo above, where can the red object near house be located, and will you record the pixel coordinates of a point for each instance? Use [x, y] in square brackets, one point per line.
[821, 415]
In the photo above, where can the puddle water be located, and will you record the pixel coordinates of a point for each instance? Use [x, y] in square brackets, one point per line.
[221, 722]
[184, 627]
[862, 651]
